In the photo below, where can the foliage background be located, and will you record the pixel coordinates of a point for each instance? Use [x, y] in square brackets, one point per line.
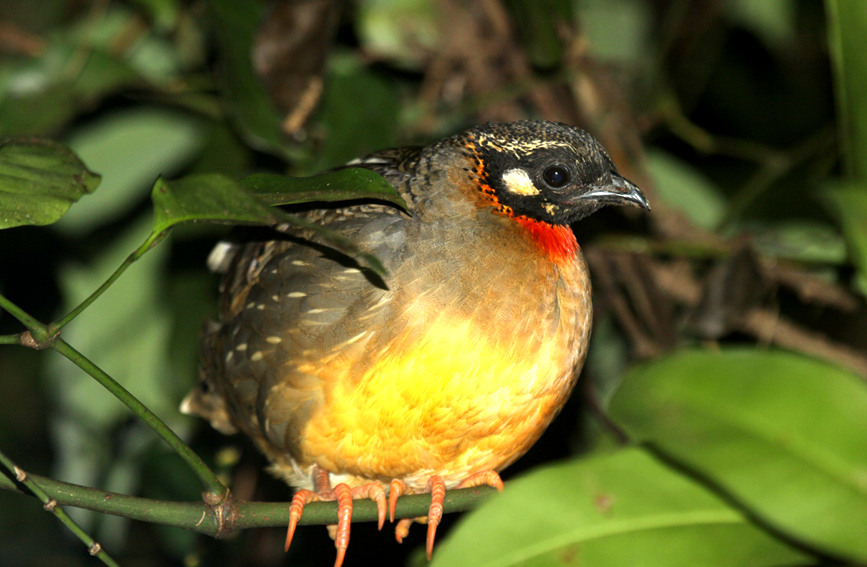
[742, 121]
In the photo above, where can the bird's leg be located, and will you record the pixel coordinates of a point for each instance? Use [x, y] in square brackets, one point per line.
[344, 496]
[437, 488]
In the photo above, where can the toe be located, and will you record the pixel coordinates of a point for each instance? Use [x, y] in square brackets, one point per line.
[296, 510]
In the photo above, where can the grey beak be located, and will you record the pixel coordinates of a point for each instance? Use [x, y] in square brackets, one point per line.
[621, 191]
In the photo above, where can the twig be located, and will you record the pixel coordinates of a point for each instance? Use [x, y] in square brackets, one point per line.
[50, 504]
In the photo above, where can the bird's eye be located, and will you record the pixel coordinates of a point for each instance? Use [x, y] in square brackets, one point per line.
[556, 176]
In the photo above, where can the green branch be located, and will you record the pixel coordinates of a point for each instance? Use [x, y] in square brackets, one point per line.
[214, 489]
[231, 516]
[51, 504]
[149, 243]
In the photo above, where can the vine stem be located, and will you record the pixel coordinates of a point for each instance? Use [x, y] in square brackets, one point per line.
[152, 240]
[214, 489]
[52, 505]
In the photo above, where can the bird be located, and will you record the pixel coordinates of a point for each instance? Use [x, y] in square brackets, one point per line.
[447, 369]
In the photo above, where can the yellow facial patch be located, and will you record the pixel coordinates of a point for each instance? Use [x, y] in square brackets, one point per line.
[517, 181]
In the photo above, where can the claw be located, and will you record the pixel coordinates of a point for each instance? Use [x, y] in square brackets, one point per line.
[375, 492]
[396, 490]
[437, 489]
[344, 520]
[296, 509]
[484, 478]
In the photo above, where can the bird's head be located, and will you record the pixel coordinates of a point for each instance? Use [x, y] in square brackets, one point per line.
[544, 171]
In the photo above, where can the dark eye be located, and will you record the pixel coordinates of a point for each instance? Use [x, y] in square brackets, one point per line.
[556, 176]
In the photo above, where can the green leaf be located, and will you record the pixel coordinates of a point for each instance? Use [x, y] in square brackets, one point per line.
[207, 197]
[848, 202]
[403, 31]
[618, 30]
[798, 240]
[847, 28]
[619, 509]
[234, 27]
[358, 113]
[217, 198]
[687, 190]
[783, 435]
[774, 21]
[39, 181]
[340, 185]
[131, 148]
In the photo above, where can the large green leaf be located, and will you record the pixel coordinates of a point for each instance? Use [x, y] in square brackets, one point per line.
[39, 181]
[783, 435]
[339, 185]
[619, 509]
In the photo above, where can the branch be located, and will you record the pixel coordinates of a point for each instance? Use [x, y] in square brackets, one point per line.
[230, 516]
[215, 491]
[51, 505]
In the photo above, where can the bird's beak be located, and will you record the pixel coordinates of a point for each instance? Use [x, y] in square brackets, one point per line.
[620, 191]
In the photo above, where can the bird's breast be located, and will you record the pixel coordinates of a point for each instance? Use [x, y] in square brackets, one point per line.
[480, 355]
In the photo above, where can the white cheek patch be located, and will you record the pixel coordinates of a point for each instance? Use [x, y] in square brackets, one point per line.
[517, 181]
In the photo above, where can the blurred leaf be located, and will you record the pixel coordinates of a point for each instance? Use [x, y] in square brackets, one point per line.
[359, 112]
[235, 25]
[79, 65]
[617, 30]
[39, 180]
[624, 508]
[339, 185]
[847, 28]
[164, 13]
[406, 32]
[781, 434]
[685, 189]
[772, 20]
[799, 240]
[540, 25]
[37, 95]
[848, 202]
[126, 332]
[131, 149]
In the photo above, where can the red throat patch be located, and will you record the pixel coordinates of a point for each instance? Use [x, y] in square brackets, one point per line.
[557, 240]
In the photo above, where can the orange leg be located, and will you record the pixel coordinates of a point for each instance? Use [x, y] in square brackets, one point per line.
[344, 496]
[437, 489]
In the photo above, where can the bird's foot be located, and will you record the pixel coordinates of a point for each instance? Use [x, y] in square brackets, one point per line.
[437, 488]
[344, 496]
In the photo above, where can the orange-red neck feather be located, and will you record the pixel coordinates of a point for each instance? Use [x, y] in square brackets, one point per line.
[558, 241]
